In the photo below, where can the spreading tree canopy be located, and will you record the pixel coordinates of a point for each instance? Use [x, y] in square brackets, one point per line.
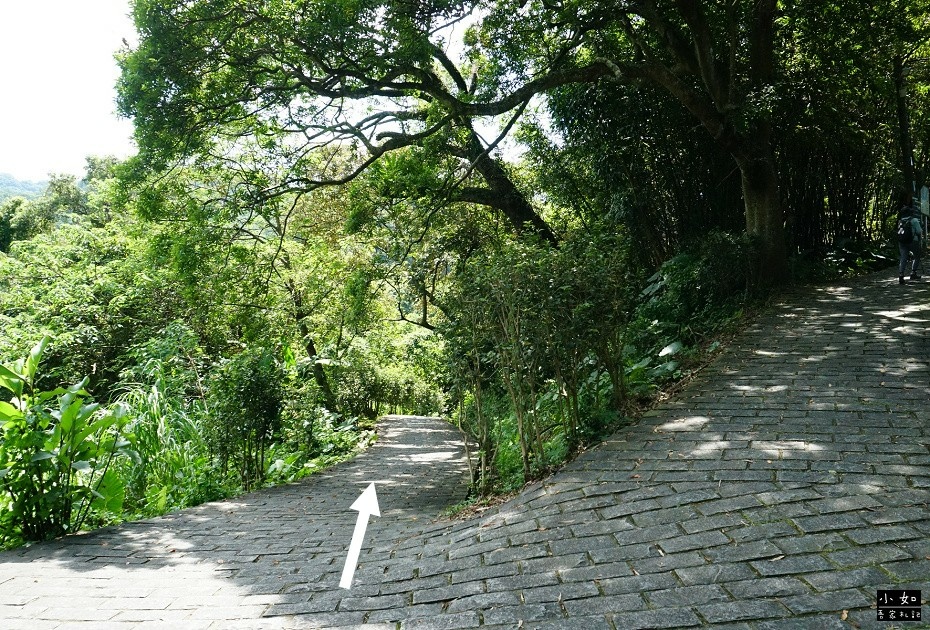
[295, 94]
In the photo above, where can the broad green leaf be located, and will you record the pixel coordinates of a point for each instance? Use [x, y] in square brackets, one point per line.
[132, 454]
[160, 500]
[35, 356]
[86, 411]
[82, 466]
[666, 368]
[109, 493]
[44, 396]
[9, 412]
[100, 424]
[68, 415]
[41, 456]
[670, 349]
[10, 374]
[78, 388]
[11, 381]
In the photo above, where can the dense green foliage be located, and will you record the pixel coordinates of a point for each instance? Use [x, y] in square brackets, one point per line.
[56, 457]
[322, 225]
[196, 348]
[245, 400]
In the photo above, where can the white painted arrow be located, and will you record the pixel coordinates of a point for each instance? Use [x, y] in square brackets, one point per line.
[367, 504]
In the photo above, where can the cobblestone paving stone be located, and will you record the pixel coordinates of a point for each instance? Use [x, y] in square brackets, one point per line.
[779, 489]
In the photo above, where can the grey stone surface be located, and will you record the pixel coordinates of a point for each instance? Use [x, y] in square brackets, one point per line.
[785, 484]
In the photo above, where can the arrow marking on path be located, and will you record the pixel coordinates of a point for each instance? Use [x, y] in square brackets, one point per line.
[367, 504]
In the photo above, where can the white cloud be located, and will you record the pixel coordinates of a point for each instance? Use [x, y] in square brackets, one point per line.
[57, 72]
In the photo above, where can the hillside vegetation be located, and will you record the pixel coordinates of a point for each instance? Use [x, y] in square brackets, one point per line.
[332, 216]
[12, 187]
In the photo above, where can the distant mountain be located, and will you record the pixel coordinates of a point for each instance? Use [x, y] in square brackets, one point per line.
[12, 187]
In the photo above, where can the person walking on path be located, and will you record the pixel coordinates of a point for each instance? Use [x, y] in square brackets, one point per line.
[910, 241]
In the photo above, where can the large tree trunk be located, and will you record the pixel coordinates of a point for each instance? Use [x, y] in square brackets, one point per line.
[765, 217]
[713, 99]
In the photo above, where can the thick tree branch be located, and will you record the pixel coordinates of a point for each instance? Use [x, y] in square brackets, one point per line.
[762, 36]
[714, 81]
[673, 41]
[450, 67]
[480, 196]
[721, 130]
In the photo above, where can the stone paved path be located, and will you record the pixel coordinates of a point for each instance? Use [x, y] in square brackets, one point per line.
[782, 487]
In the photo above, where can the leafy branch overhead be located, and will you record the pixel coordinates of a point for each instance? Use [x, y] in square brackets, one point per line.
[318, 91]
[311, 94]
[304, 78]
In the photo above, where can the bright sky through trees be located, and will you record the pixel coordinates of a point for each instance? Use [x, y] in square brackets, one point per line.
[57, 77]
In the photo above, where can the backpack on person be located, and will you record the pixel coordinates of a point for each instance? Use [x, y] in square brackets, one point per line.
[905, 231]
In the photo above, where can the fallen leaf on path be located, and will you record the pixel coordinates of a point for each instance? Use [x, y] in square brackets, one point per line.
[776, 558]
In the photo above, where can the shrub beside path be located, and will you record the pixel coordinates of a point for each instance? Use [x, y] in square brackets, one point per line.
[780, 489]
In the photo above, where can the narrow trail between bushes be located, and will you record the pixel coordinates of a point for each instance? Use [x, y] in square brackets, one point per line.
[781, 488]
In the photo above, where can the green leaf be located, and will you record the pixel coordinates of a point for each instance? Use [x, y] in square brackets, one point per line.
[666, 368]
[78, 388]
[109, 493]
[159, 500]
[8, 373]
[85, 412]
[82, 466]
[41, 456]
[35, 356]
[11, 381]
[68, 414]
[100, 424]
[670, 349]
[42, 397]
[9, 412]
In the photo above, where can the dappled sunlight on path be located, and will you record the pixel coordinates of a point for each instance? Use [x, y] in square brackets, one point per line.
[221, 563]
[780, 489]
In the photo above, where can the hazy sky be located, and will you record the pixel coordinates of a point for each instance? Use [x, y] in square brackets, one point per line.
[57, 77]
